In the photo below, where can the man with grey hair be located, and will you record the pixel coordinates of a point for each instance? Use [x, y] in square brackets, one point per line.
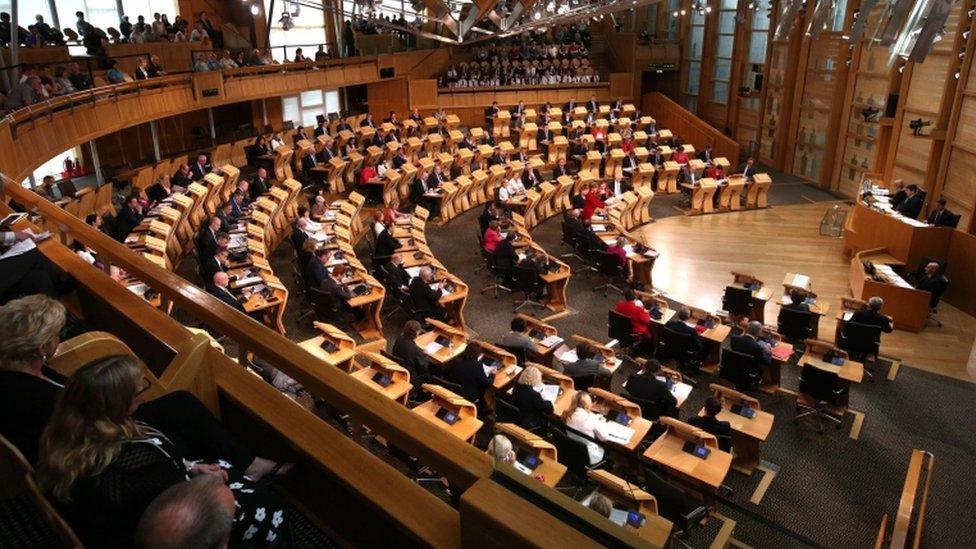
[426, 294]
[748, 343]
[872, 316]
[680, 324]
[198, 513]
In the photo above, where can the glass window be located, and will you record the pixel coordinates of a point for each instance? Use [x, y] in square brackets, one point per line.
[720, 92]
[723, 69]
[309, 29]
[723, 46]
[693, 79]
[757, 47]
[726, 22]
[691, 104]
[304, 108]
[760, 19]
[53, 166]
[840, 10]
[696, 36]
[697, 18]
[311, 98]
[729, 4]
[290, 109]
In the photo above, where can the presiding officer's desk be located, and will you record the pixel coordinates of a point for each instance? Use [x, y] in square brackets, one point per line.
[908, 307]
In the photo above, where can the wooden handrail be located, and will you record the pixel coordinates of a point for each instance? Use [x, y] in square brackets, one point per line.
[919, 462]
[685, 124]
[527, 87]
[461, 463]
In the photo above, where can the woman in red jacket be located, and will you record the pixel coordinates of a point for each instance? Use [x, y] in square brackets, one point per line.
[492, 237]
[593, 203]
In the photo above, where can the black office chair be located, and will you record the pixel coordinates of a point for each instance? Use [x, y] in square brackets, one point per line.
[861, 341]
[741, 369]
[737, 301]
[795, 325]
[526, 280]
[650, 409]
[405, 301]
[919, 272]
[520, 353]
[447, 384]
[620, 327]
[608, 265]
[934, 301]
[505, 411]
[327, 306]
[569, 240]
[953, 221]
[574, 454]
[582, 383]
[819, 391]
[681, 348]
[496, 278]
[682, 508]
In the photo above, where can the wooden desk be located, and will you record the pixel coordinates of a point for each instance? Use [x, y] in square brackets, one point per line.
[656, 529]
[442, 354]
[452, 301]
[382, 370]
[747, 433]
[757, 189]
[849, 371]
[341, 357]
[702, 196]
[667, 451]
[566, 389]
[730, 194]
[760, 296]
[605, 402]
[537, 328]
[868, 229]
[467, 424]
[549, 471]
[641, 264]
[273, 307]
[908, 307]
[771, 372]
[667, 181]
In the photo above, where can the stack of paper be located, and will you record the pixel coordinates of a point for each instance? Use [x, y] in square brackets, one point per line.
[550, 393]
[138, 289]
[432, 348]
[801, 281]
[681, 390]
[550, 341]
[618, 433]
[413, 271]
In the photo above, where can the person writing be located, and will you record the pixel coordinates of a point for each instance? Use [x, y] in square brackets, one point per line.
[527, 397]
[580, 417]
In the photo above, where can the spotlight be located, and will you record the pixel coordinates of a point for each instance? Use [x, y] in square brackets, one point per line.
[917, 125]
[255, 9]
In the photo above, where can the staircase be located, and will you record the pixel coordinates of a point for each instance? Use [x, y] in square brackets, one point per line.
[599, 56]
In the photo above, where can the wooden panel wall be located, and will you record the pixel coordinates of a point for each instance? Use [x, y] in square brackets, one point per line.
[386, 96]
[689, 127]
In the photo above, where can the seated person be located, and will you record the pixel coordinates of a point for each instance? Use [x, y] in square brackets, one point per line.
[396, 275]
[505, 255]
[912, 205]
[129, 217]
[580, 417]
[206, 239]
[28, 272]
[425, 298]
[518, 337]
[410, 355]
[385, 244]
[872, 316]
[940, 216]
[467, 371]
[708, 423]
[645, 385]
[500, 449]
[102, 468]
[748, 343]
[680, 324]
[588, 362]
[797, 301]
[601, 504]
[590, 238]
[527, 397]
[632, 308]
[513, 188]
[617, 249]
[193, 513]
[492, 236]
[218, 287]
[316, 271]
[934, 282]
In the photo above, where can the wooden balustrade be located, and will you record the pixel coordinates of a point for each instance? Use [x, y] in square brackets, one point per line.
[689, 127]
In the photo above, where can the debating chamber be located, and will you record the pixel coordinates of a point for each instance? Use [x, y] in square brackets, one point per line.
[487, 273]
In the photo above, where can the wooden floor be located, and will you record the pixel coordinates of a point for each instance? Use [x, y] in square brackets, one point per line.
[699, 253]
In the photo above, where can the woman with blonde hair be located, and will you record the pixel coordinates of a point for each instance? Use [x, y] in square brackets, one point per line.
[160, 190]
[500, 449]
[527, 397]
[580, 417]
[103, 468]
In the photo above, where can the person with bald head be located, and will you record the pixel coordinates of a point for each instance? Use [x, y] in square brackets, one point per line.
[426, 294]
[933, 282]
[872, 316]
[218, 287]
[195, 513]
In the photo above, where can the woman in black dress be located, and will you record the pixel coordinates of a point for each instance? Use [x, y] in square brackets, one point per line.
[103, 468]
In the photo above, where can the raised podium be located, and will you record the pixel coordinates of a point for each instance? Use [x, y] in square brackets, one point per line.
[756, 191]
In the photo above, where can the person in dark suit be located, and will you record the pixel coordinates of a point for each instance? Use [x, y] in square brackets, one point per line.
[368, 121]
[912, 206]
[467, 371]
[898, 194]
[424, 297]
[560, 169]
[183, 177]
[200, 168]
[747, 170]
[517, 110]
[316, 272]
[129, 217]
[331, 284]
[797, 301]
[466, 143]
[207, 237]
[396, 275]
[620, 186]
[218, 288]
[227, 220]
[573, 224]
[399, 159]
[435, 179]
[940, 216]
[505, 255]
[588, 363]
[533, 409]
[410, 355]
[536, 261]
[211, 265]
[710, 424]
[748, 343]
[491, 111]
[629, 165]
[495, 159]
[238, 205]
[933, 281]
[590, 238]
[680, 325]
[259, 185]
[531, 178]
[385, 246]
[645, 385]
[569, 106]
[871, 315]
[656, 157]
[322, 128]
[343, 125]
[543, 139]
[706, 155]
[418, 188]
[591, 105]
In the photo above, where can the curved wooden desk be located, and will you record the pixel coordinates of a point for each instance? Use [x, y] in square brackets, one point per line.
[908, 307]
[867, 228]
